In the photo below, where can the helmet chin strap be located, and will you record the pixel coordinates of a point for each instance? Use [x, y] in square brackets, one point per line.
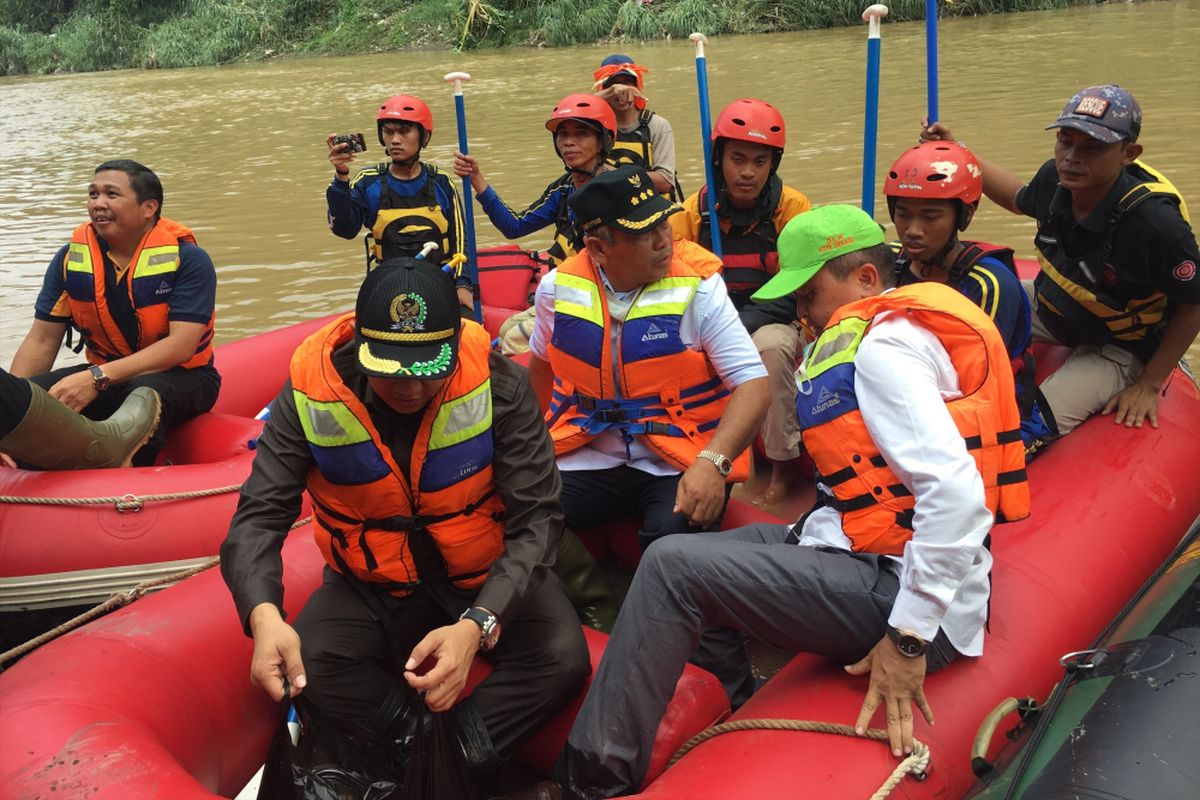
[927, 266]
[408, 162]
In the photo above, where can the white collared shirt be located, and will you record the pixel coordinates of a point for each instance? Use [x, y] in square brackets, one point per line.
[903, 378]
[710, 324]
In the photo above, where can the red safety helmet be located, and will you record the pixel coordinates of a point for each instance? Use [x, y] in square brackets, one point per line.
[936, 171]
[590, 110]
[750, 120]
[405, 108]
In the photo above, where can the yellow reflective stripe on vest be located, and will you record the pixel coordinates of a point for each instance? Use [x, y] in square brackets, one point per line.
[1160, 185]
[329, 424]
[157, 261]
[666, 297]
[1140, 313]
[837, 345]
[578, 297]
[79, 258]
[463, 418]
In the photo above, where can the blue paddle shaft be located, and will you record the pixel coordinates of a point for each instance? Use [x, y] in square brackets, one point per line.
[870, 126]
[471, 269]
[931, 58]
[706, 135]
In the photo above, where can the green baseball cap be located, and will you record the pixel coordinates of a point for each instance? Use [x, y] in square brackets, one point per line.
[814, 237]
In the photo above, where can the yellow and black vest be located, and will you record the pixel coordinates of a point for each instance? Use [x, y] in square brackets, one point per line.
[1073, 302]
[404, 224]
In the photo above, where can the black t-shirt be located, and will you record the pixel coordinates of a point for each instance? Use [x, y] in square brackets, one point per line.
[1152, 246]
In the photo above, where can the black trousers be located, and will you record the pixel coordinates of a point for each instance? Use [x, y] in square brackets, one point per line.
[14, 401]
[597, 497]
[185, 393]
[353, 661]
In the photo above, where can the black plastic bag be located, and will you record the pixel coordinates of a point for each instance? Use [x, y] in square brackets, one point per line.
[437, 766]
[335, 761]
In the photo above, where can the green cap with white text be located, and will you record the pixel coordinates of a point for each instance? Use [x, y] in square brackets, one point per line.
[813, 238]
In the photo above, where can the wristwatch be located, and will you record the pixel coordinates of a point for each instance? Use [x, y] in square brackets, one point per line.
[909, 644]
[489, 626]
[100, 381]
[723, 464]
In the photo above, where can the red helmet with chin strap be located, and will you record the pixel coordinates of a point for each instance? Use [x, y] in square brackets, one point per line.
[405, 108]
[936, 171]
[590, 110]
[750, 120]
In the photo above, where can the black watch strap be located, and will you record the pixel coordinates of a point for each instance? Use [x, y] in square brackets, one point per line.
[909, 644]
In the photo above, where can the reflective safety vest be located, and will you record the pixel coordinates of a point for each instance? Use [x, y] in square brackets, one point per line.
[876, 507]
[442, 523]
[150, 281]
[1081, 311]
[404, 224]
[662, 391]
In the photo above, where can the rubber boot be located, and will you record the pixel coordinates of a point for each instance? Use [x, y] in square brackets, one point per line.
[589, 592]
[52, 436]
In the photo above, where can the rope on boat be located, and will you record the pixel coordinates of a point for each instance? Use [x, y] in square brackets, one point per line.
[116, 601]
[122, 503]
[916, 764]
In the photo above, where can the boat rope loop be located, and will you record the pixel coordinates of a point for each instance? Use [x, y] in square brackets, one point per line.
[116, 601]
[916, 764]
[122, 503]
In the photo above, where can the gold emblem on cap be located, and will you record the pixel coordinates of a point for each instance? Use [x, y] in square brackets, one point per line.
[407, 312]
[635, 179]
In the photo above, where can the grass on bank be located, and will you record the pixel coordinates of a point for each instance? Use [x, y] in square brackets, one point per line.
[41, 36]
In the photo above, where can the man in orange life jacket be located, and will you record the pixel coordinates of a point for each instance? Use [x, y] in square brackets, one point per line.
[1118, 256]
[142, 296]
[753, 206]
[909, 415]
[435, 501]
[652, 387]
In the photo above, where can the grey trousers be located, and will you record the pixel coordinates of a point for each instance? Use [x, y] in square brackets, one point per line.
[694, 595]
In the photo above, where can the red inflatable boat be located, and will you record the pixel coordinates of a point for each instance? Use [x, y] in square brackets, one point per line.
[59, 549]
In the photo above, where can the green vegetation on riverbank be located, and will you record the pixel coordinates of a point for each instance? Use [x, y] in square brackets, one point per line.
[41, 36]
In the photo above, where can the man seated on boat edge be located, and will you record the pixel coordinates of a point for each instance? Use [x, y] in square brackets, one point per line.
[933, 192]
[399, 419]
[39, 431]
[651, 386]
[892, 581]
[644, 138]
[403, 202]
[753, 206]
[142, 295]
[1118, 256]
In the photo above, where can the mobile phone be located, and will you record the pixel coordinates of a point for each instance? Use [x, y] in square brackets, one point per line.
[355, 140]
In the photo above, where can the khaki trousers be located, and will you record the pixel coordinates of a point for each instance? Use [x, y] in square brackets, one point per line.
[777, 345]
[1087, 380]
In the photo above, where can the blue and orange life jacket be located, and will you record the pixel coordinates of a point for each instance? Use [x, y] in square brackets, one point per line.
[444, 522]
[876, 507]
[150, 280]
[662, 391]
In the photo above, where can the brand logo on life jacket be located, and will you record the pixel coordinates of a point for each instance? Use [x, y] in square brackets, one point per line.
[163, 288]
[834, 242]
[825, 401]
[654, 333]
[1185, 271]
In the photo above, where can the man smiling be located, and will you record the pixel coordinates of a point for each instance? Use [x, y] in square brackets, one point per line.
[142, 295]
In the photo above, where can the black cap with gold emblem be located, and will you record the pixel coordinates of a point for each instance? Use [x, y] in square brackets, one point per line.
[622, 198]
[407, 321]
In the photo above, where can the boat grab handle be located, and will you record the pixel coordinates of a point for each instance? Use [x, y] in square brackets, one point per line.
[1025, 708]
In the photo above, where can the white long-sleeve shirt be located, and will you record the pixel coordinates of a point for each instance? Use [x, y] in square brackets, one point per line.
[903, 378]
[709, 324]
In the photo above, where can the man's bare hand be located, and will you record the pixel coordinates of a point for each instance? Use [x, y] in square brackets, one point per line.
[701, 493]
[452, 647]
[1134, 405]
[896, 684]
[937, 132]
[276, 660]
[340, 156]
[75, 391]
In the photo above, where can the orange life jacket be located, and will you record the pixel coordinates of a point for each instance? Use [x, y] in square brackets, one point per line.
[443, 523]
[664, 391]
[877, 509]
[150, 281]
